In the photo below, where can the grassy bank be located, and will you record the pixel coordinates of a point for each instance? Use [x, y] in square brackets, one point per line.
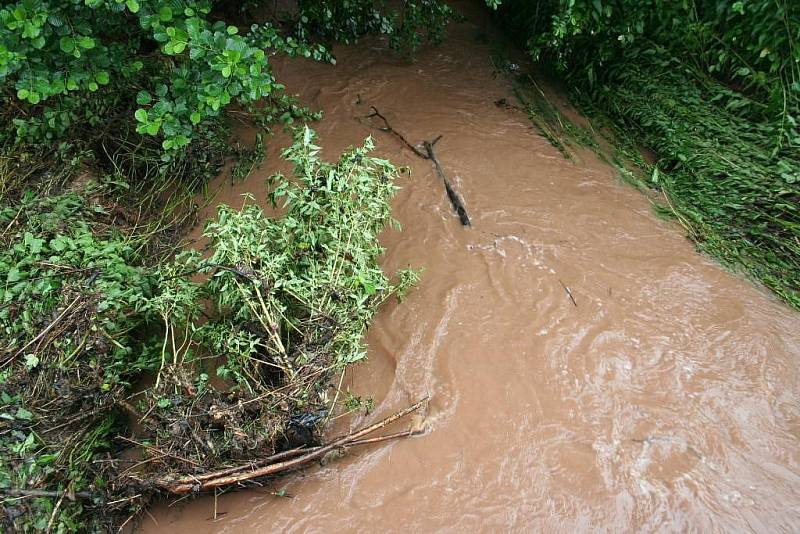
[713, 92]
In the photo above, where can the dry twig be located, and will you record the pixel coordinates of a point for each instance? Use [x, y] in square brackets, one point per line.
[569, 293]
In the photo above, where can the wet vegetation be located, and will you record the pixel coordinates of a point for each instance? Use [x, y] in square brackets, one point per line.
[125, 360]
[128, 360]
[712, 88]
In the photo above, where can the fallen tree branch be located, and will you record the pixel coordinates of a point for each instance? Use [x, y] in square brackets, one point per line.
[230, 476]
[388, 128]
[291, 453]
[429, 154]
[455, 200]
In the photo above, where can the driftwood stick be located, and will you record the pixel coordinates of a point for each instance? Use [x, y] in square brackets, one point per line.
[455, 200]
[388, 128]
[226, 478]
[291, 453]
[569, 293]
[429, 154]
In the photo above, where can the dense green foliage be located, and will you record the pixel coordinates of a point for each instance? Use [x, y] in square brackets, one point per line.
[713, 88]
[113, 119]
[59, 53]
[347, 21]
[169, 66]
[69, 293]
[752, 46]
[55, 258]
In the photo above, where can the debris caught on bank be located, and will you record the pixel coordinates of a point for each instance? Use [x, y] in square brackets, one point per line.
[286, 461]
[117, 376]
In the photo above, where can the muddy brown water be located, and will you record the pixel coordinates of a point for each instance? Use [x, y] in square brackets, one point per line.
[668, 399]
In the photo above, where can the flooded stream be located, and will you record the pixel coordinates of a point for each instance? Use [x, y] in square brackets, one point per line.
[667, 397]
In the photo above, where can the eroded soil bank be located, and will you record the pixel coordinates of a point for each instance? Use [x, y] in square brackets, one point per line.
[668, 398]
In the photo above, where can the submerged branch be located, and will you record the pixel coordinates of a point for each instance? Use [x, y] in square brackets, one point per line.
[455, 199]
[388, 128]
[429, 154]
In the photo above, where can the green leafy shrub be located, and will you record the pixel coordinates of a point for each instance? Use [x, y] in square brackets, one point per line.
[169, 66]
[241, 356]
[750, 46]
[347, 21]
[288, 298]
[53, 53]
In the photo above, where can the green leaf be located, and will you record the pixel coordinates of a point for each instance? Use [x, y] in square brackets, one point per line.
[133, 5]
[31, 361]
[22, 413]
[141, 115]
[67, 44]
[143, 98]
[165, 14]
[86, 42]
[14, 275]
[58, 244]
[34, 244]
[101, 77]
[195, 117]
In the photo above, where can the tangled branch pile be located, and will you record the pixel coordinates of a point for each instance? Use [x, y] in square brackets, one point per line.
[115, 375]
